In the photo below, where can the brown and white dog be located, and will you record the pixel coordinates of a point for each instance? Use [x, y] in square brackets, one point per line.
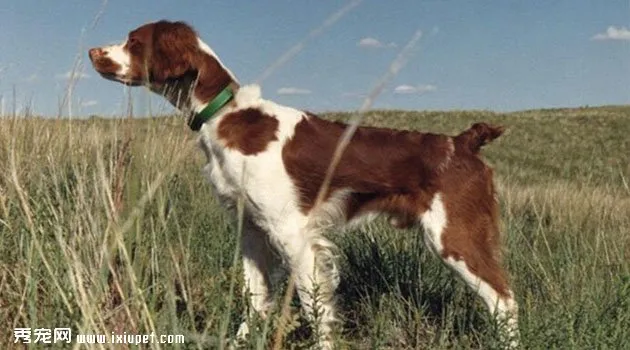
[276, 158]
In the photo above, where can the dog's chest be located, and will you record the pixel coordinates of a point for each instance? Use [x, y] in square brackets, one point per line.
[259, 179]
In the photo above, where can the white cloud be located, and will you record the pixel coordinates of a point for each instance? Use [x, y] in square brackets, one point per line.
[373, 43]
[416, 90]
[293, 91]
[72, 75]
[89, 103]
[613, 33]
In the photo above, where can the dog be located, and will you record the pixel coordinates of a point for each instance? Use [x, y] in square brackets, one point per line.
[276, 158]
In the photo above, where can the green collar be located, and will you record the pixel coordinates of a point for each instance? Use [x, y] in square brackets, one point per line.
[219, 101]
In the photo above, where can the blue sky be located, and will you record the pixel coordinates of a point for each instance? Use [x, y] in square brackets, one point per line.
[501, 55]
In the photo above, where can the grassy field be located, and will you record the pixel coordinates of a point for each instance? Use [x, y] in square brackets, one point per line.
[108, 226]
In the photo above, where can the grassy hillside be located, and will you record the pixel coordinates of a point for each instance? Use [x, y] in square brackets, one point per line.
[108, 226]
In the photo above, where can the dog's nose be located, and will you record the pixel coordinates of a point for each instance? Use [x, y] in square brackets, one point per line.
[95, 53]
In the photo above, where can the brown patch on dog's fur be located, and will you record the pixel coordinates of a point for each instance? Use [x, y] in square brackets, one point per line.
[248, 131]
[394, 171]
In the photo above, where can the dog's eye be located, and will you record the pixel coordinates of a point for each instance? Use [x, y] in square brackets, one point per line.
[134, 45]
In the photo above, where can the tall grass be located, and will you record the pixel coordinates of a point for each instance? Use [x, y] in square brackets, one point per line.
[108, 226]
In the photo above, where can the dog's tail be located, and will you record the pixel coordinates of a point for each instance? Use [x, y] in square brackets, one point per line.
[477, 135]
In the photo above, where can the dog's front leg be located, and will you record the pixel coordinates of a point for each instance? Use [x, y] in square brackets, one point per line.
[258, 261]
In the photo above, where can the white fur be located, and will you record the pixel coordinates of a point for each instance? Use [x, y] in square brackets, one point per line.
[117, 54]
[434, 222]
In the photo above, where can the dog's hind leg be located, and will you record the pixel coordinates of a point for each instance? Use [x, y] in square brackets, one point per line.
[468, 244]
[312, 265]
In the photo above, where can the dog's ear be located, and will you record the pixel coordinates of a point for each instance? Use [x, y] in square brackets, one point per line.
[175, 51]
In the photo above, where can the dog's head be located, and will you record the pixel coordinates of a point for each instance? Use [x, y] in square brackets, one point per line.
[157, 53]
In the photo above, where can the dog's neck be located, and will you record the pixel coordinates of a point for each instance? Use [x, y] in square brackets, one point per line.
[192, 92]
[184, 94]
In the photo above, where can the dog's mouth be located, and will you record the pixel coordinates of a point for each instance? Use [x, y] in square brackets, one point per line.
[108, 69]
[123, 80]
